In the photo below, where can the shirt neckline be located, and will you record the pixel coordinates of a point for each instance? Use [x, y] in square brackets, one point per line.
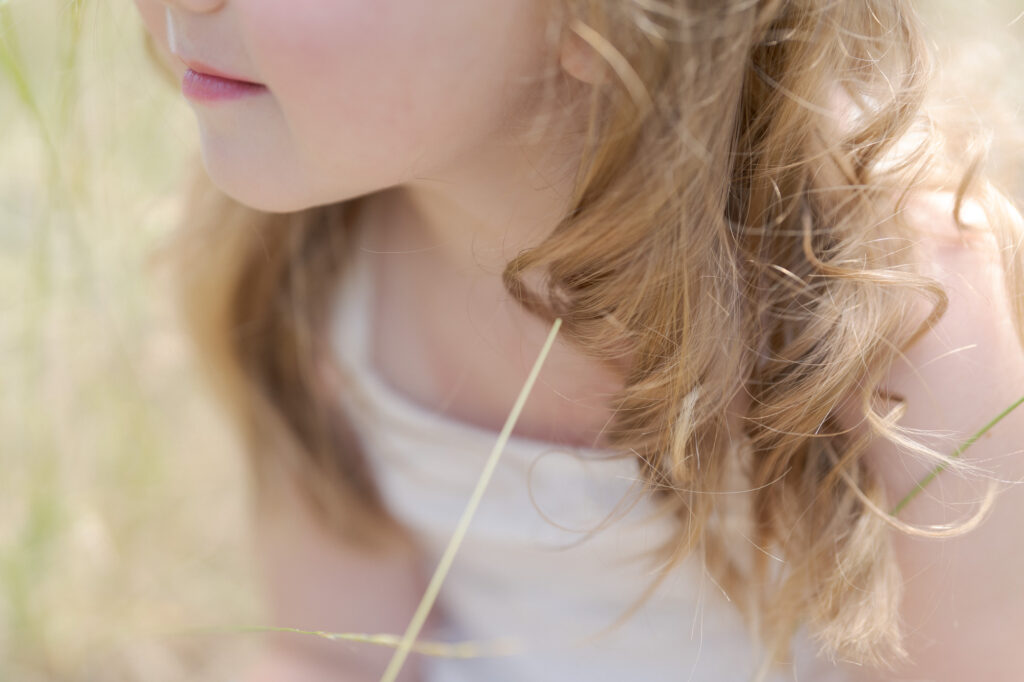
[352, 330]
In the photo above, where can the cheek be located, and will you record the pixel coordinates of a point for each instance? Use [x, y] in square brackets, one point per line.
[342, 79]
[390, 88]
[153, 16]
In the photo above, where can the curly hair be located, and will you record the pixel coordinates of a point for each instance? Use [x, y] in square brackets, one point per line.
[736, 231]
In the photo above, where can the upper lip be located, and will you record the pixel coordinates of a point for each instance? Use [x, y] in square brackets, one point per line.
[200, 67]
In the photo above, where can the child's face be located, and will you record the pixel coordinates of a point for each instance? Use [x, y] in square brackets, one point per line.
[360, 95]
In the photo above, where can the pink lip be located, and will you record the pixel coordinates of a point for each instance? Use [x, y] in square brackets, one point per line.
[206, 84]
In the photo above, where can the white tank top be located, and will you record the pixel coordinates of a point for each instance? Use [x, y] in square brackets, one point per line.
[526, 570]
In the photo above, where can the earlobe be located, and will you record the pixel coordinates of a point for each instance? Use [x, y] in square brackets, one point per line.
[580, 60]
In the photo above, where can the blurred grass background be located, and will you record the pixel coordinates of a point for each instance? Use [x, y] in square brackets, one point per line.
[121, 493]
[122, 499]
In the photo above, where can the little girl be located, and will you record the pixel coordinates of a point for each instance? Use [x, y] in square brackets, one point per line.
[788, 298]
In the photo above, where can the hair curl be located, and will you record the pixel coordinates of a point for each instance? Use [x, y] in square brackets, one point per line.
[736, 231]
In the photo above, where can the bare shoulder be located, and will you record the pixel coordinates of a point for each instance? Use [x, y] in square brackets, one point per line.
[963, 607]
[971, 364]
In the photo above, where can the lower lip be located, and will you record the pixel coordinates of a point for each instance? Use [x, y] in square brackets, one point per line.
[206, 88]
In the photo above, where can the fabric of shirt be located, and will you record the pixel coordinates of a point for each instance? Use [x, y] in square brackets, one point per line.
[529, 572]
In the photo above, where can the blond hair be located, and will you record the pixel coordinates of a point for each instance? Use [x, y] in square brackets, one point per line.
[735, 230]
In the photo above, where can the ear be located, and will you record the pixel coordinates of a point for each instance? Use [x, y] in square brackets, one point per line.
[580, 60]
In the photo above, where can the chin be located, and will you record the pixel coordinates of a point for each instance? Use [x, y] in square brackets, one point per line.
[265, 202]
[258, 190]
[253, 177]
[279, 192]
[272, 184]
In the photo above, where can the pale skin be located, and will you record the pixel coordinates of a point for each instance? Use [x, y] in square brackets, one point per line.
[964, 602]
[422, 112]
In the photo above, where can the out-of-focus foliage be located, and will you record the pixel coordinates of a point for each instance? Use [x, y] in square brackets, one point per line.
[122, 520]
[121, 494]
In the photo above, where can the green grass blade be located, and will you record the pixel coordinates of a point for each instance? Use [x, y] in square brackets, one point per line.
[420, 617]
[939, 468]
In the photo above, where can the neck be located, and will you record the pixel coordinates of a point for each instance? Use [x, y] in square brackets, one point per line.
[470, 220]
[447, 332]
